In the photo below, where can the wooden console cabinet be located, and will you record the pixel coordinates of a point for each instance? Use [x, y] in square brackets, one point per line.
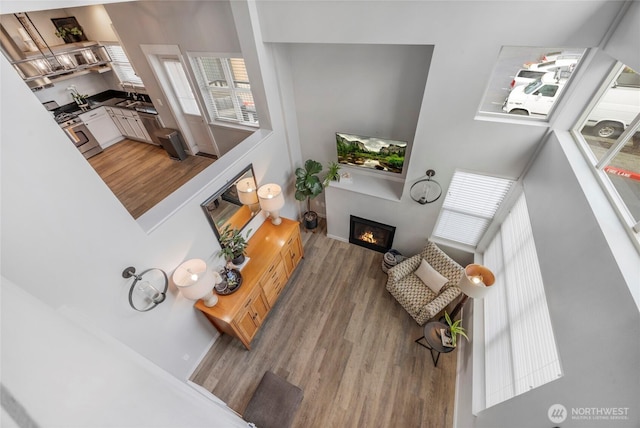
[274, 253]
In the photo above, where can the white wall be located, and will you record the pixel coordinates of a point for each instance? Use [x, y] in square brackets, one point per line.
[66, 375]
[447, 136]
[59, 216]
[596, 322]
[89, 84]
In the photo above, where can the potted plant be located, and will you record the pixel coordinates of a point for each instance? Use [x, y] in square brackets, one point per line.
[455, 329]
[69, 34]
[333, 174]
[233, 244]
[308, 186]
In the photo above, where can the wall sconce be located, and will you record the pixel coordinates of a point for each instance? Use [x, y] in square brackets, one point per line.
[426, 190]
[144, 293]
[195, 281]
[248, 193]
[271, 201]
[476, 283]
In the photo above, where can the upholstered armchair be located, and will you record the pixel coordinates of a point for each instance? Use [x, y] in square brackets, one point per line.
[413, 294]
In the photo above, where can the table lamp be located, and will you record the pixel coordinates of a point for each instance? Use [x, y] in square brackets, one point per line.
[247, 193]
[195, 281]
[476, 282]
[271, 200]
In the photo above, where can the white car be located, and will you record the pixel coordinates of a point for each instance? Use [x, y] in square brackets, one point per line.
[535, 99]
[615, 111]
[524, 76]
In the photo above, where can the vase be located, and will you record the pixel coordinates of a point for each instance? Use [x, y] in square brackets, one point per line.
[238, 260]
[310, 220]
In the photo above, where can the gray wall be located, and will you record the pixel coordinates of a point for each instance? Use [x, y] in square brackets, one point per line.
[446, 135]
[371, 90]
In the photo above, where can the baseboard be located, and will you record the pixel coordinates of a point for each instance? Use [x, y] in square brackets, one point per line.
[337, 238]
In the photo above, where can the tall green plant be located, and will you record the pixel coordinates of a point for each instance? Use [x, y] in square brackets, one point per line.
[308, 184]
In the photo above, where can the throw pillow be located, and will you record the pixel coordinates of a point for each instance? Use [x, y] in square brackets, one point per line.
[431, 277]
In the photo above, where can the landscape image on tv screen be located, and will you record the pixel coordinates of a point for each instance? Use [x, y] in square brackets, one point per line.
[371, 152]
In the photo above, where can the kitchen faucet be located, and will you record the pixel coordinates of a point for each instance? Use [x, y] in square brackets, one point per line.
[132, 92]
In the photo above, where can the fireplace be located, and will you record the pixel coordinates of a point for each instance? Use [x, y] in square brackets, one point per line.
[371, 234]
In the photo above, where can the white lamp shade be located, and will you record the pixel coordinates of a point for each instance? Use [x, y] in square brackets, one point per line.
[271, 198]
[247, 191]
[476, 281]
[193, 279]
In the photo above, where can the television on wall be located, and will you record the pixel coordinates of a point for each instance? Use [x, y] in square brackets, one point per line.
[379, 154]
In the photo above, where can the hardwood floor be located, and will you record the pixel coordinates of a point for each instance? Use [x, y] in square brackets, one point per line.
[339, 335]
[141, 174]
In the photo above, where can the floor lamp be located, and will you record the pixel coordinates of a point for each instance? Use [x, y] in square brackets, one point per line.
[476, 282]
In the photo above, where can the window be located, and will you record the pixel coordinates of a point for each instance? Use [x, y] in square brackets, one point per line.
[224, 84]
[180, 85]
[609, 133]
[468, 209]
[529, 81]
[122, 67]
[520, 348]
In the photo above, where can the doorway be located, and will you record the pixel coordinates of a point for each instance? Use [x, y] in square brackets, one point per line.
[169, 70]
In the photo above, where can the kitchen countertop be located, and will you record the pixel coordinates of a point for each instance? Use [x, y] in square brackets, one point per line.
[110, 99]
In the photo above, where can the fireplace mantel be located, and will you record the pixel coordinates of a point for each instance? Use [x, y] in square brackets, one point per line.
[369, 183]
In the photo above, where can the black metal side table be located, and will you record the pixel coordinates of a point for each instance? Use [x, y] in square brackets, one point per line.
[434, 341]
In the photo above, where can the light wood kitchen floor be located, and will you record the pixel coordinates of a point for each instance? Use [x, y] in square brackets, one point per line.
[340, 336]
[141, 174]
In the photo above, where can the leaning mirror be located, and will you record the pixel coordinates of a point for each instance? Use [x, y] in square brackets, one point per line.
[235, 204]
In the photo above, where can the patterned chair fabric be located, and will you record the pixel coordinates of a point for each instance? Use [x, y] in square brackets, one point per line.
[413, 295]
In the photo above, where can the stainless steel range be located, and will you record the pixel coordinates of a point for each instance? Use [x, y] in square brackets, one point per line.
[79, 134]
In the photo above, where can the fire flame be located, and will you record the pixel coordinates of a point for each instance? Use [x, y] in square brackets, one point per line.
[368, 237]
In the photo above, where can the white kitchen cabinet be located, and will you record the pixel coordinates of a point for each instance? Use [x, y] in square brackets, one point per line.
[138, 128]
[129, 124]
[100, 124]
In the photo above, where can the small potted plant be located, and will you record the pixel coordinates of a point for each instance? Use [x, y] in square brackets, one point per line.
[308, 186]
[455, 329]
[69, 34]
[233, 245]
[333, 174]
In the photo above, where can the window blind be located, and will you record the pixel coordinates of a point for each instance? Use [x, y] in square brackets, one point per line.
[121, 66]
[471, 202]
[520, 348]
[224, 84]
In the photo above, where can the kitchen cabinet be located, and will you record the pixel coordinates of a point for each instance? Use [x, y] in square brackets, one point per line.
[129, 124]
[271, 249]
[100, 124]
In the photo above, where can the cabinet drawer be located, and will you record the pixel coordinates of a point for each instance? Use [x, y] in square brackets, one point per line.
[273, 281]
[292, 252]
